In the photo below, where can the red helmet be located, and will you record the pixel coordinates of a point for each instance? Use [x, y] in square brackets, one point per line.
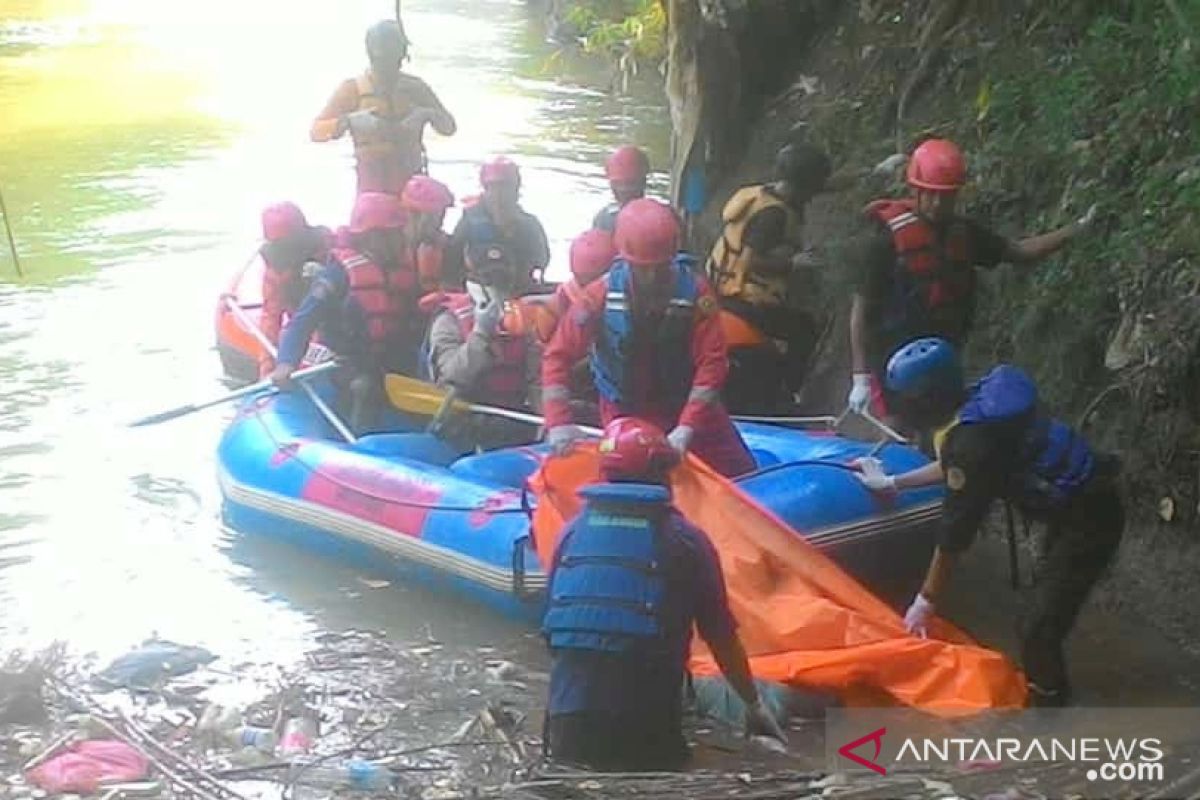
[627, 164]
[633, 449]
[281, 219]
[424, 195]
[499, 170]
[375, 210]
[591, 253]
[937, 165]
[647, 233]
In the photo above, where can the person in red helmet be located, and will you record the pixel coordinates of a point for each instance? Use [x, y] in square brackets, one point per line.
[479, 347]
[497, 219]
[916, 271]
[616, 677]
[626, 170]
[654, 343]
[385, 111]
[375, 253]
[426, 201]
[591, 254]
[288, 243]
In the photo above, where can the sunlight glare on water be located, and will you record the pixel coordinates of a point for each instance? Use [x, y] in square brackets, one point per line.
[141, 139]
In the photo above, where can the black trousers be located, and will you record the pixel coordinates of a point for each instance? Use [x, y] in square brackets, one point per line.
[615, 743]
[1081, 543]
[762, 379]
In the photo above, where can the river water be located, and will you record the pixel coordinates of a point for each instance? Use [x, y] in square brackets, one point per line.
[138, 141]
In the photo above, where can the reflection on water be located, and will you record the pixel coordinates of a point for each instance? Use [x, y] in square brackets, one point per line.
[141, 138]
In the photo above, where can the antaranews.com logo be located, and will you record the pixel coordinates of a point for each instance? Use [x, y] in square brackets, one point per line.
[1135, 747]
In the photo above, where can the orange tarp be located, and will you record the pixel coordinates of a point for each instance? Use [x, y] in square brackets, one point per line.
[803, 620]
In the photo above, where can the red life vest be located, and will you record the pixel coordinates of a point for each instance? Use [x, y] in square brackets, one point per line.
[932, 273]
[505, 383]
[386, 296]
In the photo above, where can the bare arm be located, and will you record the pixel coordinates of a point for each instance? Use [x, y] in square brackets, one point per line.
[1035, 248]
[731, 658]
[331, 122]
[858, 324]
[927, 475]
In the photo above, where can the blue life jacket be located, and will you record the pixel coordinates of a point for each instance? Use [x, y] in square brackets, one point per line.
[608, 587]
[480, 228]
[606, 218]
[1054, 462]
[613, 353]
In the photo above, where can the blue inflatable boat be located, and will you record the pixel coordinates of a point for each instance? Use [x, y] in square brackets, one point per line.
[408, 504]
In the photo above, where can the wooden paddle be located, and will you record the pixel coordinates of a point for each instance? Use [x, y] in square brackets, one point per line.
[253, 388]
[417, 397]
[330, 415]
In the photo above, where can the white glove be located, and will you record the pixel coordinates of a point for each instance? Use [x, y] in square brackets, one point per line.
[761, 722]
[872, 475]
[916, 619]
[363, 123]
[562, 438]
[887, 168]
[860, 393]
[1088, 217]
[487, 319]
[680, 438]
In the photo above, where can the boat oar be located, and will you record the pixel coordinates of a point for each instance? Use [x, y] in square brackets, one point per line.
[417, 397]
[316, 399]
[12, 243]
[253, 388]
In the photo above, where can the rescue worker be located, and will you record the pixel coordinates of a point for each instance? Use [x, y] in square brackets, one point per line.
[656, 348]
[289, 242]
[762, 277]
[426, 201]
[385, 111]
[992, 442]
[917, 270]
[383, 278]
[497, 219]
[476, 342]
[626, 169]
[628, 581]
[591, 254]
[330, 310]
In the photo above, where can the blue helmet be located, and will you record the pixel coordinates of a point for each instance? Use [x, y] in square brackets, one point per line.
[924, 367]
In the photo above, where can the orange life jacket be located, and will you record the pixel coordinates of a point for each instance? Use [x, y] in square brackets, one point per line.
[404, 147]
[386, 296]
[542, 312]
[505, 383]
[932, 275]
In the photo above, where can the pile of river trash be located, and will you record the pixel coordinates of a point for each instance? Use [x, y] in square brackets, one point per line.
[362, 716]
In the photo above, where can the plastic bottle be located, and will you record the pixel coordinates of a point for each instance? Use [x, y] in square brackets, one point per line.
[298, 736]
[263, 739]
[352, 774]
[222, 727]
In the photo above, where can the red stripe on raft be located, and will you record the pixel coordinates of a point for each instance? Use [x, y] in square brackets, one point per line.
[364, 492]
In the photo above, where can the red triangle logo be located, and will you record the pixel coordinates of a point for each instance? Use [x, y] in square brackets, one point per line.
[876, 736]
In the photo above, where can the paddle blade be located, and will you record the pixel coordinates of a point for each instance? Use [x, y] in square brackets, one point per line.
[164, 416]
[413, 396]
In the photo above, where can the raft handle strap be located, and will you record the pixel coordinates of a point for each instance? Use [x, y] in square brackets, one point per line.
[520, 545]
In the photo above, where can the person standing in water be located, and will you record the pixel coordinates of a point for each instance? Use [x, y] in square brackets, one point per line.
[385, 112]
